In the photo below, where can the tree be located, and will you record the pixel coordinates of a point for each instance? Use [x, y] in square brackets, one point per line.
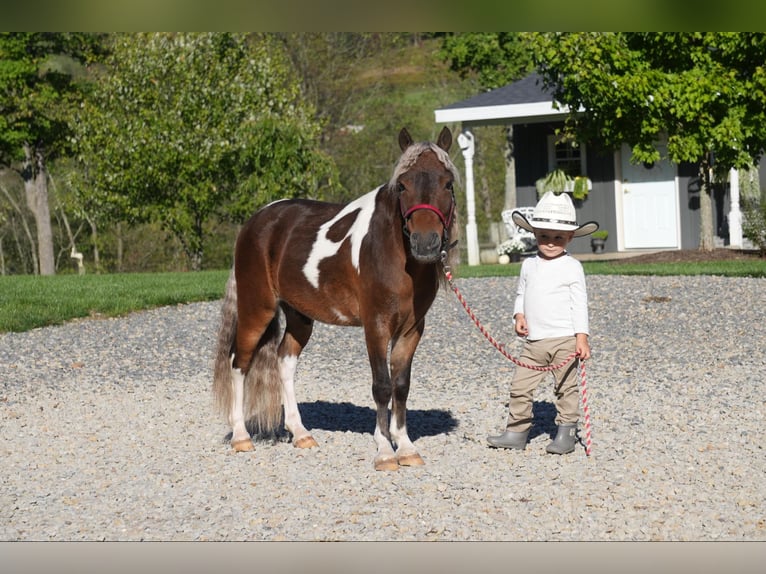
[183, 127]
[39, 75]
[495, 59]
[704, 91]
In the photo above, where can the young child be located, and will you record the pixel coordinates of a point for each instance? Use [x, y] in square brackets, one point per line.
[551, 311]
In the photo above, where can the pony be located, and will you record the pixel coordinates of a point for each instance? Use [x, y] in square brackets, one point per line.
[376, 263]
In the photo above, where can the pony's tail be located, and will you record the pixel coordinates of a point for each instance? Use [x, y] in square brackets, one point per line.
[227, 332]
[263, 387]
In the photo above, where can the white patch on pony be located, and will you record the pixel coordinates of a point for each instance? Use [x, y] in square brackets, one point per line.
[276, 201]
[287, 366]
[341, 317]
[237, 408]
[324, 248]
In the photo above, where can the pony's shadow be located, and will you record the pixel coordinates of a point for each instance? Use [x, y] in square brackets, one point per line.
[348, 417]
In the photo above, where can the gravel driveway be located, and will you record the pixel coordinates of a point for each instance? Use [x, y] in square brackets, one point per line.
[109, 433]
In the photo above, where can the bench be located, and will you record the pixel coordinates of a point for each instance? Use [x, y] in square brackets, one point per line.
[515, 231]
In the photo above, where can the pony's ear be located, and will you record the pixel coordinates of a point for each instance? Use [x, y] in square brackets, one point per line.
[405, 139]
[445, 139]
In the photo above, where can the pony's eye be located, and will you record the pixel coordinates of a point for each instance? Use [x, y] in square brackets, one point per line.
[449, 185]
[400, 187]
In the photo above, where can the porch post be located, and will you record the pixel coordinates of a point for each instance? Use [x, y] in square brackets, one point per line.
[735, 215]
[465, 141]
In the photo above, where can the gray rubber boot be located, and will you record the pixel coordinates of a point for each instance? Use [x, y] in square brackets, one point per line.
[509, 439]
[565, 441]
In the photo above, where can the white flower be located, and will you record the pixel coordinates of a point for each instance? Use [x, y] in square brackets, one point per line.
[512, 245]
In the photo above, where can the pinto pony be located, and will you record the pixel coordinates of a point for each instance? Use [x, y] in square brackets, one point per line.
[376, 263]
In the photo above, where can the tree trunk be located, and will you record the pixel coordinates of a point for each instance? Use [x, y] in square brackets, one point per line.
[706, 209]
[94, 242]
[36, 188]
[27, 232]
[510, 170]
[119, 247]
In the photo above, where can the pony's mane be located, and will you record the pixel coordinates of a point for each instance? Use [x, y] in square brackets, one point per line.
[411, 155]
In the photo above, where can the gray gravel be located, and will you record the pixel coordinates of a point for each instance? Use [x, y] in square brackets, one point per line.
[108, 429]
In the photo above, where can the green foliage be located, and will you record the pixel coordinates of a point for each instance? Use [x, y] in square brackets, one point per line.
[186, 126]
[704, 91]
[40, 78]
[557, 181]
[600, 234]
[496, 58]
[367, 87]
[754, 221]
[580, 187]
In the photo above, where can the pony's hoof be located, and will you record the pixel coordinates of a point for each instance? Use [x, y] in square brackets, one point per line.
[305, 442]
[411, 460]
[386, 464]
[244, 445]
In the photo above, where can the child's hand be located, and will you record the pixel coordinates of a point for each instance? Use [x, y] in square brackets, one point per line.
[582, 347]
[521, 325]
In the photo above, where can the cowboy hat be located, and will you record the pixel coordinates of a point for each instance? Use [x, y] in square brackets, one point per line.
[554, 211]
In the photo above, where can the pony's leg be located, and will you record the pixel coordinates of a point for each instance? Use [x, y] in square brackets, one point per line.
[385, 459]
[402, 351]
[298, 329]
[252, 323]
[240, 438]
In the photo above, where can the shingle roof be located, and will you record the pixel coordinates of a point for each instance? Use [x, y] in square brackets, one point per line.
[525, 91]
[520, 102]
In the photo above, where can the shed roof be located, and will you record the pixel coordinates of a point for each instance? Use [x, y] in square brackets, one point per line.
[523, 101]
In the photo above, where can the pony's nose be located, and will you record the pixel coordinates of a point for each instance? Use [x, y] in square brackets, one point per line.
[425, 246]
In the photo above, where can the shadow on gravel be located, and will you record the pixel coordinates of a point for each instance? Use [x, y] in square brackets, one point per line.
[348, 417]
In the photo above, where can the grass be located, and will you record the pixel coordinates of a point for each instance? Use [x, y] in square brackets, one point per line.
[726, 268]
[28, 302]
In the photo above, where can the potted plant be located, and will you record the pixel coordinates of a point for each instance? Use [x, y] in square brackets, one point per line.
[598, 239]
[558, 180]
[511, 250]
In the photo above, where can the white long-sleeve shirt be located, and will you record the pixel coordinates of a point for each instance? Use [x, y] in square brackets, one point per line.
[552, 296]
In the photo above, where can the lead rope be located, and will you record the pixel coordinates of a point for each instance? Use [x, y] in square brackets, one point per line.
[500, 347]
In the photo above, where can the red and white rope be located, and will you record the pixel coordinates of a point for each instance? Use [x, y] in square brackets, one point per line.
[585, 408]
[500, 347]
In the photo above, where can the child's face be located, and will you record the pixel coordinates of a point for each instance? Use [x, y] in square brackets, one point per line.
[552, 242]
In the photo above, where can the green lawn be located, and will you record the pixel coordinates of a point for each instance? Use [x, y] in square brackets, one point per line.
[28, 302]
[727, 268]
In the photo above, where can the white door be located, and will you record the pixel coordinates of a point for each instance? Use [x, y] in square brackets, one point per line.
[649, 203]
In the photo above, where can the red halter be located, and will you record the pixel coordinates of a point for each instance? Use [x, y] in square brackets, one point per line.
[446, 220]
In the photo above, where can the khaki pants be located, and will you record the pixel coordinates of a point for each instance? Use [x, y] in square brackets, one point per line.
[543, 353]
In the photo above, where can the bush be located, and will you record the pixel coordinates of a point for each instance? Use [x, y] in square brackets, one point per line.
[754, 223]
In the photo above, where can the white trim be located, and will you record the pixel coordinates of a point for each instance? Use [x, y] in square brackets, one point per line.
[677, 185]
[618, 206]
[509, 111]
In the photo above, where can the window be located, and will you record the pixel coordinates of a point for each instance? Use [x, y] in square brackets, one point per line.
[567, 156]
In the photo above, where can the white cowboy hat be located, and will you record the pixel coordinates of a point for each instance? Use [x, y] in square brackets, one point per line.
[554, 211]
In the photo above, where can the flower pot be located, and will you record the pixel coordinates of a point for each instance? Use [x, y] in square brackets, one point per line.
[597, 245]
[515, 257]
